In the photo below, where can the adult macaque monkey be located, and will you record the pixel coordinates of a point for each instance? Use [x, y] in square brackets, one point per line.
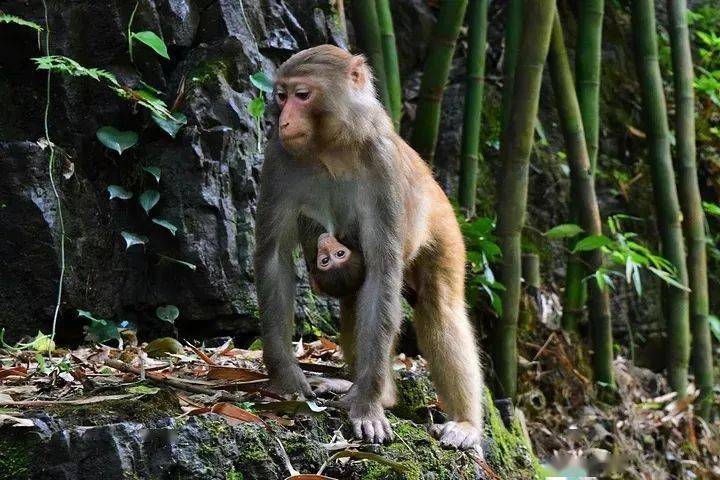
[335, 164]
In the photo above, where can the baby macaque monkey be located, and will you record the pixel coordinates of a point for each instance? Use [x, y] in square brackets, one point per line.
[338, 271]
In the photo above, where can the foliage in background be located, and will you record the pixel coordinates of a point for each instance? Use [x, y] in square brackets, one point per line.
[482, 251]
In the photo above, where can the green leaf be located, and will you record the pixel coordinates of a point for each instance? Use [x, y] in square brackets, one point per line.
[257, 107]
[257, 344]
[714, 326]
[167, 313]
[148, 199]
[116, 191]
[115, 139]
[143, 390]
[4, 18]
[68, 66]
[591, 243]
[133, 239]
[263, 82]
[165, 224]
[153, 41]
[564, 231]
[668, 278]
[150, 101]
[100, 331]
[154, 171]
[89, 315]
[171, 125]
[712, 208]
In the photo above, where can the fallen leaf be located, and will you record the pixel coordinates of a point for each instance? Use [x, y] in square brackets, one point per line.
[203, 356]
[15, 421]
[79, 401]
[13, 372]
[309, 476]
[291, 407]
[161, 346]
[143, 390]
[234, 414]
[217, 372]
[328, 344]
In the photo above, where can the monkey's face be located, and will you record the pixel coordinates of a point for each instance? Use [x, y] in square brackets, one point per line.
[331, 253]
[298, 101]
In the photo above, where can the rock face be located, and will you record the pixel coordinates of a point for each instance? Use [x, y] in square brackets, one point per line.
[134, 439]
[208, 182]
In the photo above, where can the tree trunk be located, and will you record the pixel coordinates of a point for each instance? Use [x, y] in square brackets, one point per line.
[390, 57]
[583, 191]
[367, 28]
[435, 75]
[664, 190]
[515, 154]
[477, 20]
[690, 201]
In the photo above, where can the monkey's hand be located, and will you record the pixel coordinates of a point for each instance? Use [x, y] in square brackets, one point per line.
[461, 435]
[369, 421]
[291, 380]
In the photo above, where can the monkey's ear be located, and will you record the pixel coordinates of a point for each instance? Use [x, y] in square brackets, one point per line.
[359, 71]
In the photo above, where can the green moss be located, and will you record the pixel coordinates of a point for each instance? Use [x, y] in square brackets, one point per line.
[15, 456]
[414, 394]
[234, 475]
[207, 71]
[146, 409]
[510, 455]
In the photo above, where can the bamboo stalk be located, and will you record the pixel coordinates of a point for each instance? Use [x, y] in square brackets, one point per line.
[472, 118]
[587, 66]
[664, 190]
[390, 58]
[583, 190]
[691, 202]
[367, 27]
[435, 75]
[513, 28]
[517, 143]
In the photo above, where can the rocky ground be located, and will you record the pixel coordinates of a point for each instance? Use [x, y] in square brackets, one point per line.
[203, 414]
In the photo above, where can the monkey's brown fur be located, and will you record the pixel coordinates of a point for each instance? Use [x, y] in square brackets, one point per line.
[335, 164]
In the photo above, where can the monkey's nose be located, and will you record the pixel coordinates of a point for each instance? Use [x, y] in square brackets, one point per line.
[285, 125]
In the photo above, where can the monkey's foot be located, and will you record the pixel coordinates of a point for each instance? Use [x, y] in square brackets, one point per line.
[461, 435]
[322, 385]
[370, 423]
[291, 381]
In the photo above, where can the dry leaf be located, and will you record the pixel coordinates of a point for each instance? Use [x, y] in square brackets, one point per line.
[13, 372]
[217, 372]
[234, 414]
[15, 421]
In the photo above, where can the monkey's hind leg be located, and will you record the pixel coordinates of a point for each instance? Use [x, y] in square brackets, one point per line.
[447, 340]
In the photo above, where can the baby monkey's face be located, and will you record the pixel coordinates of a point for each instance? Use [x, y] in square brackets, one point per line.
[331, 253]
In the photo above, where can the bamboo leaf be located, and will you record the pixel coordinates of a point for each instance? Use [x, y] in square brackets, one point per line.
[189, 265]
[714, 326]
[591, 243]
[153, 41]
[564, 231]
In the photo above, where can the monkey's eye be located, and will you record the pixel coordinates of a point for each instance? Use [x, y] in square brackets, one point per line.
[281, 97]
[302, 94]
[325, 260]
[340, 253]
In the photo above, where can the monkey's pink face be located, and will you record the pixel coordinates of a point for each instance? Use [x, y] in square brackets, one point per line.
[331, 253]
[296, 98]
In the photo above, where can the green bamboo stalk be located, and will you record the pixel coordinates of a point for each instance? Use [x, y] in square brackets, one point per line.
[513, 28]
[517, 143]
[367, 28]
[664, 190]
[690, 202]
[435, 75]
[477, 35]
[587, 65]
[390, 57]
[583, 190]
